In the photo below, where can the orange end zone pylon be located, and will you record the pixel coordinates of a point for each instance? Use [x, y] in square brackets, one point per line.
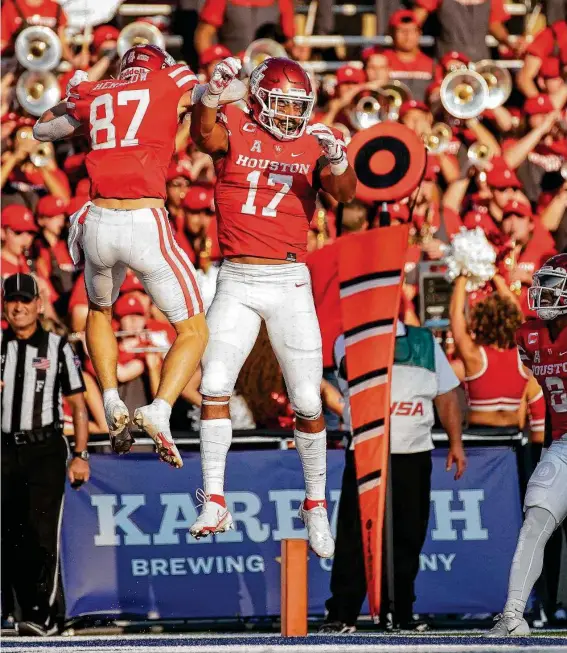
[294, 588]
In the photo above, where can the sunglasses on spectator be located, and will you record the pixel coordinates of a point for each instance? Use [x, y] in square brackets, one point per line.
[179, 184]
[19, 233]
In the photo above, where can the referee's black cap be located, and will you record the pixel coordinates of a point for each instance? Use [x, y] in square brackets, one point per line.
[20, 285]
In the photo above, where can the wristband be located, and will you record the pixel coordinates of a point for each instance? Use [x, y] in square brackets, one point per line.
[339, 168]
[210, 100]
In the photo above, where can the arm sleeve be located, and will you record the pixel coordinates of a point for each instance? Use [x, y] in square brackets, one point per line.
[446, 379]
[213, 12]
[429, 5]
[524, 355]
[60, 127]
[287, 18]
[497, 12]
[542, 45]
[536, 412]
[70, 371]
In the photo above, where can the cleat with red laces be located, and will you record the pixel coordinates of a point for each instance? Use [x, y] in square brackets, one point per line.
[314, 515]
[214, 518]
[156, 425]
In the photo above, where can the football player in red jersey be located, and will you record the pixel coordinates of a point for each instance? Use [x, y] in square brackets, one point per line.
[270, 166]
[131, 123]
[542, 344]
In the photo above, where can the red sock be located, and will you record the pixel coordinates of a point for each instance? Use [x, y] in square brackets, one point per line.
[218, 498]
[314, 503]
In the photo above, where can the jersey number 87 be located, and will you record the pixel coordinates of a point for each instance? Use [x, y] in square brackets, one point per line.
[105, 122]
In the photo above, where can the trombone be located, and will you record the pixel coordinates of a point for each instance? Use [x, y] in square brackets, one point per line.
[498, 80]
[370, 108]
[260, 50]
[398, 93]
[38, 48]
[438, 139]
[139, 34]
[37, 91]
[464, 94]
[479, 155]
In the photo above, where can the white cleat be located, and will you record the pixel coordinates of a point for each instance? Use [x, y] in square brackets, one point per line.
[318, 530]
[509, 625]
[213, 519]
[118, 419]
[152, 421]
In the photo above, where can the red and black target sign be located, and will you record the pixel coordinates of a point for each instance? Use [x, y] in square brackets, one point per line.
[389, 161]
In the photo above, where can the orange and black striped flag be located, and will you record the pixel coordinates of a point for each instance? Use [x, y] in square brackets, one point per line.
[370, 274]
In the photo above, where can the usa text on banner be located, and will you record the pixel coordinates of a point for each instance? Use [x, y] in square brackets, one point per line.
[370, 275]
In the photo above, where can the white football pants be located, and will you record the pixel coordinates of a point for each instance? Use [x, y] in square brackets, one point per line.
[281, 296]
[142, 240]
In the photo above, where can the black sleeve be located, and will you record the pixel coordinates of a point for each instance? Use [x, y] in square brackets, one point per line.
[70, 372]
[322, 162]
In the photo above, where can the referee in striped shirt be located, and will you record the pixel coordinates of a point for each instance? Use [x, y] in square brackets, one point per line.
[37, 368]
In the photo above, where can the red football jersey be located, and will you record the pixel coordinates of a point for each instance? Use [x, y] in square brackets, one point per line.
[547, 360]
[265, 191]
[131, 128]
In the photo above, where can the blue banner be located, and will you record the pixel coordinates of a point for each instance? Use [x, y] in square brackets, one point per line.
[126, 547]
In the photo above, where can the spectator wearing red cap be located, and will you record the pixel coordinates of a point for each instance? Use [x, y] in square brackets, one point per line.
[134, 364]
[407, 63]
[542, 150]
[18, 232]
[549, 43]
[105, 38]
[199, 212]
[178, 180]
[464, 27]
[210, 57]
[236, 24]
[527, 250]
[54, 262]
[350, 82]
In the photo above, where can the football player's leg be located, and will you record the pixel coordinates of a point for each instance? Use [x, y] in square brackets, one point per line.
[103, 283]
[233, 330]
[546, 508]
[296, 339]
[169, 278]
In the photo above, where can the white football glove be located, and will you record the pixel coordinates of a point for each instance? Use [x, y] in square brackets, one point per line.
[332, 148]
[79, 77]
[223, 74]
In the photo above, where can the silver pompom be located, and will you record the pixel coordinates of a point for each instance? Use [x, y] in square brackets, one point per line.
[472, 256]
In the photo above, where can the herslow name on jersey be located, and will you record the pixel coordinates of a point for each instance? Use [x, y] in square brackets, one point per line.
[547, 360]
[131, 127]
[266, 190]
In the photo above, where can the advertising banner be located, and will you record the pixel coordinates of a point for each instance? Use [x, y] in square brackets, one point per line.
[126, 548]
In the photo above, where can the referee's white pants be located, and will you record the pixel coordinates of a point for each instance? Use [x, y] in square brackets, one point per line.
[114, 240]
[280, 295]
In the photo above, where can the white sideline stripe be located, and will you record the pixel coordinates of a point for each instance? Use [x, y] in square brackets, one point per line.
[298, 648]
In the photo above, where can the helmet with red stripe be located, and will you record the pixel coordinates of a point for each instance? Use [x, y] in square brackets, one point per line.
[281, 97]
[548, 293]
[141, 60]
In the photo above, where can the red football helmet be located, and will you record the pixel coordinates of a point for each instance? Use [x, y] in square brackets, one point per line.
[140, 60]
[548, 293]
[281, 97]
